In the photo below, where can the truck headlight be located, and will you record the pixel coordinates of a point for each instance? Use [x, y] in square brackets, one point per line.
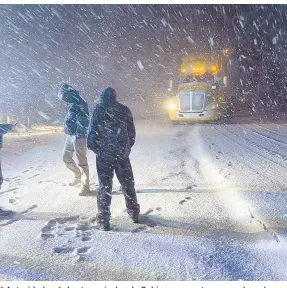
[171, 106]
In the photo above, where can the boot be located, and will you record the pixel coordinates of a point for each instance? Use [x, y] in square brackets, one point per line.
[135, 213]
[85, 190]
[103, 225]
[77, 181]
[135, 218]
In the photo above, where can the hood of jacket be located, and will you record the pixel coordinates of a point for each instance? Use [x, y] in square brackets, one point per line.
[70, 95]
[108, 96]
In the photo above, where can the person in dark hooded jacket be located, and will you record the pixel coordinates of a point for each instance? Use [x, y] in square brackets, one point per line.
[4, 128]
[76, 127]
[111, 135]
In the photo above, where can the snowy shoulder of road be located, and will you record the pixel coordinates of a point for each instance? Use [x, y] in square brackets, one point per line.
[209, 209]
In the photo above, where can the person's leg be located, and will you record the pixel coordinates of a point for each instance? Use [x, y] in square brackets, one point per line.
[125, 176]
[81, 152]
[69, 161]
[105, 171]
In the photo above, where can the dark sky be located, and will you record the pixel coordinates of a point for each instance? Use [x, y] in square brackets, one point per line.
[93, 46]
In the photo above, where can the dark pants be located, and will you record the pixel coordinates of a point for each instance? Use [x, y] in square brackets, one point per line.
[105, 168]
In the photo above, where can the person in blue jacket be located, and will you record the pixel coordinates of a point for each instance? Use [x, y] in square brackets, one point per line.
[4, 128]
[76, 127]
[111, 135]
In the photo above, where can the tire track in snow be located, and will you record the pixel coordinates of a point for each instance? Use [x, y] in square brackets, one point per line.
[252, 215]
[281, 135]
[260, 149]
[256, 166]
[213, 176]
[279, 138]
[239, 210]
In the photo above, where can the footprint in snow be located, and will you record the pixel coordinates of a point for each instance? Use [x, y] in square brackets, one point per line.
[83, 227]
[7, 191]
[83, 250]
[185, 200]
[33, 176]
[63, 250]
[86, 238]
[69, 228]
[227, 176]
[182, 202]
[13, 201]
[50, 227]
[46, 236]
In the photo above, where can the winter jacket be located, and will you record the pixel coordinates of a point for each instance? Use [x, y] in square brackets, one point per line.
[77, 112]
[111, 131]
[4, 128]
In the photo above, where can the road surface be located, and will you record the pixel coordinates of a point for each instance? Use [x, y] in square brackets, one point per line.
[213, 202]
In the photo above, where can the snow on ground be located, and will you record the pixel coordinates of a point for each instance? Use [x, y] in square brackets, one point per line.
[212, 198]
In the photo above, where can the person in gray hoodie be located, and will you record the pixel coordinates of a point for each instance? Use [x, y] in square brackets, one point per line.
[76, 127]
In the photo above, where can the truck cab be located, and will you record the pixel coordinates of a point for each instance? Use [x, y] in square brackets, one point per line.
[202, 90]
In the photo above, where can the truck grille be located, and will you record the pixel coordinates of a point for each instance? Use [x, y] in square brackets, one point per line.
[189, 102]
[184, 102]
[197, 101]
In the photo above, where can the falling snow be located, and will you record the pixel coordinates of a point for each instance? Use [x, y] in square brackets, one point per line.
[42, 114]
[140, 65]
[197, 221]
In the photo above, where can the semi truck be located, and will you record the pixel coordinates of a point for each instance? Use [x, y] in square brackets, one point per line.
[202, 91]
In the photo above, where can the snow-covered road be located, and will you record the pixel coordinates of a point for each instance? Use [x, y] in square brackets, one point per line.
[213, 201]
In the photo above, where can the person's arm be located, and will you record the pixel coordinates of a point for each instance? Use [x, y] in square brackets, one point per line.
[131, 128]
[71, 120]
[83, 120]
[5, 128]
[93, 132]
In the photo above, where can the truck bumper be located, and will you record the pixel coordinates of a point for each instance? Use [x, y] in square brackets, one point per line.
[210, 115]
